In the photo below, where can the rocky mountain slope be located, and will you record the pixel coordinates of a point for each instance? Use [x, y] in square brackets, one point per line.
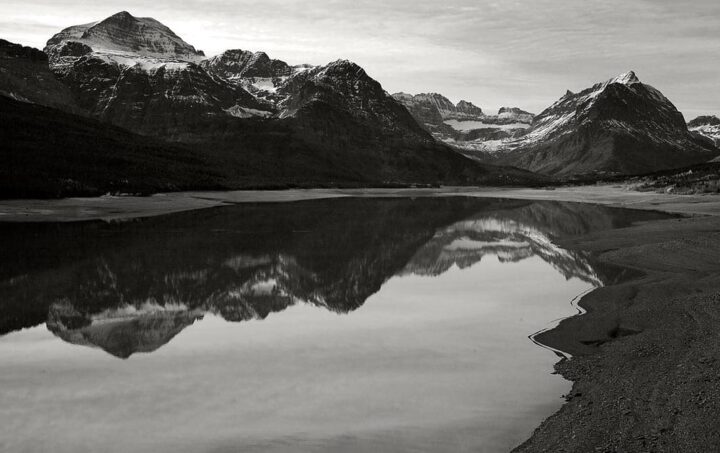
[707, 126]
[136, 73]
[25, 76]
[465, 126]
[619, 126]
[261, 122]
[258, 122]
[49, 153]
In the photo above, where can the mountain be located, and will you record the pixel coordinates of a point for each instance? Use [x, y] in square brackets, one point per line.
[137, 74]
[256, 72]
[514, 114]
[464, 126]
[123, 35]
[25, 76]
[707, 126]
[621, 126]
[50, 153]
[430, 108]
[260, 121]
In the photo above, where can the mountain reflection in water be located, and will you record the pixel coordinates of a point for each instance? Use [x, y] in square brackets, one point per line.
[131, 287]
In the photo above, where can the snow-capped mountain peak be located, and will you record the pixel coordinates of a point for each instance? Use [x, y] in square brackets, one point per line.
[707, 126]
[621, 125]
[125, 35]
[627, 78]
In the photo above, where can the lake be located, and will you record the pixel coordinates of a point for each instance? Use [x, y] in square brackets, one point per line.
[352, 324]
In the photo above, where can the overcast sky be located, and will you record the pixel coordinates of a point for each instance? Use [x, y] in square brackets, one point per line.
[492, 53]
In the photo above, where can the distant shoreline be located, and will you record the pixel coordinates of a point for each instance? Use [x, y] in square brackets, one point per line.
[113, 208]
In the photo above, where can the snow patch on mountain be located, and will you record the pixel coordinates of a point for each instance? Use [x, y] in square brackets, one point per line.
[147, 64]
[465, 126]
[707, 126]
[571, 111]
[244, 112]
[123, 33]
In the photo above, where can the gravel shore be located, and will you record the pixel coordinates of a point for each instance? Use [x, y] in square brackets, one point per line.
[646, 356]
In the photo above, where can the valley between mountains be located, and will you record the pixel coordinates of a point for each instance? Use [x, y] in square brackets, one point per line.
[124, 105]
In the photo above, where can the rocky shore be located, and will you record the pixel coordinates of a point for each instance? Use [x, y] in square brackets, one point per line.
[646, 356]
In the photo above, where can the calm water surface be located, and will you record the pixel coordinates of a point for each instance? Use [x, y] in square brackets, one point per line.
[333, 325]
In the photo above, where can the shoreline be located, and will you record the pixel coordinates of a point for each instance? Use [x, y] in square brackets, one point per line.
[646, 353]
[118, 208]
[645, 363]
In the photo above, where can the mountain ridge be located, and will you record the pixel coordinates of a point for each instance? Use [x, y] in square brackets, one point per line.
[464, 126]
[617, 126]
[273, 123]
[340, 128]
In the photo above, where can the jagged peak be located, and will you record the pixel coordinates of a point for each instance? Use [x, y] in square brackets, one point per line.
[626, 78]
[343, 63]
[122, 15]
[343, 66]
[466, 103]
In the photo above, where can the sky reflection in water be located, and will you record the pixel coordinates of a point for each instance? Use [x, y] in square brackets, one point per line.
[336, 325]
